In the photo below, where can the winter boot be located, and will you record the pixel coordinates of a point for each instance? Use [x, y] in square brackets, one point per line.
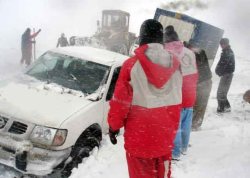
[221, 106]
[227, 106]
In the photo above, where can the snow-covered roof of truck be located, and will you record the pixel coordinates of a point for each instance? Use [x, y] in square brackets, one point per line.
[101, 56]
[116, 12]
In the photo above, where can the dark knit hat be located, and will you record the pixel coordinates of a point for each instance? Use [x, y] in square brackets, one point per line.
[169, 29]
[186, 44]
[151, 32]
[224, 41]
[170, 34]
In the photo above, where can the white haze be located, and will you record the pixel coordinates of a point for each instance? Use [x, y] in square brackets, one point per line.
[182, 5]
[74, 17]
[78, 17]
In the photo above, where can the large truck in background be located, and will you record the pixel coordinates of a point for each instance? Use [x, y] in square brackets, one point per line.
[112, 33]
[189, 29]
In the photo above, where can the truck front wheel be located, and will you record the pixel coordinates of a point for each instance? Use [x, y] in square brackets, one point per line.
[89, 139]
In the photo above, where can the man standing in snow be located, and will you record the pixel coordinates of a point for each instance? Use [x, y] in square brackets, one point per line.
[224, 70]
[204, 85]
[26, 46]
[147, 102]
[62, 41]
[190, 76]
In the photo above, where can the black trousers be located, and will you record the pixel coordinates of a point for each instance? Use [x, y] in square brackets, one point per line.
[202, 96]
[224, 85]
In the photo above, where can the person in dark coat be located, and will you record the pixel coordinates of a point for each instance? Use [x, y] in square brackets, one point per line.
[62, 41]
[225, 69]
[26, 46]
[204, 84]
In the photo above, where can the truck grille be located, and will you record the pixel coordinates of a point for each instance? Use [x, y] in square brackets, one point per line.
[18, 128]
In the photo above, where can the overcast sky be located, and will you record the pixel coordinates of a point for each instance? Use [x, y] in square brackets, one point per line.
[78, 17]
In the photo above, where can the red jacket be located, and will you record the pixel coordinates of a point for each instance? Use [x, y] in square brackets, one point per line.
[188, 70]
[147, 102]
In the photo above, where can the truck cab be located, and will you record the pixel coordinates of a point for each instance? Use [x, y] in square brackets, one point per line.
[116, 20]
[114, 31]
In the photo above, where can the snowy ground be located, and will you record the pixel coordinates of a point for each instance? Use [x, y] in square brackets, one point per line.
[219, 150]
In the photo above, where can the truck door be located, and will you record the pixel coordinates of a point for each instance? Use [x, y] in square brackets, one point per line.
[109, 95]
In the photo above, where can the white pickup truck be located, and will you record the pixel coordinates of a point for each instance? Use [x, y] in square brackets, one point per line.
[55, 113]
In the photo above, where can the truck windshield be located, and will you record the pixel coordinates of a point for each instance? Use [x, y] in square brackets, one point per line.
[112, 20]
[70, 72]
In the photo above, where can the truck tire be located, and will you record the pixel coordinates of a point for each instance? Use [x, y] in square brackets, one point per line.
[88, 140]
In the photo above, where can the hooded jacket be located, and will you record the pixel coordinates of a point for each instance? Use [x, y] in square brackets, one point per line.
[188, 71]
[147, 102]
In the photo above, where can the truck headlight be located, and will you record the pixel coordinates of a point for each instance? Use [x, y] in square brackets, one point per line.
[48, 136]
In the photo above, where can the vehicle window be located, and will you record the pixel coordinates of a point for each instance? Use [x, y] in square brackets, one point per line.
[111, 20]
[115, 20]
[46, 65]
[70, 72]
[112, 83]
[127, 21]
[38, 71]
[107, 20]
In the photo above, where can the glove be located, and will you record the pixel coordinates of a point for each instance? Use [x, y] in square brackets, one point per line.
[112, 135]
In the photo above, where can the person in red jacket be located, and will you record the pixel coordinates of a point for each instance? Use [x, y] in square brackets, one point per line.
[147, 103]
[190, 77]
[26, 46]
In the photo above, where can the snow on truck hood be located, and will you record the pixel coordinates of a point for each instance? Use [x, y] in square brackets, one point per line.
[34, 104]
[100, 56]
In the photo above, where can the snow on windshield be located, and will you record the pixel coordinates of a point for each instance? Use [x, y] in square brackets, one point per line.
[69, 72]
